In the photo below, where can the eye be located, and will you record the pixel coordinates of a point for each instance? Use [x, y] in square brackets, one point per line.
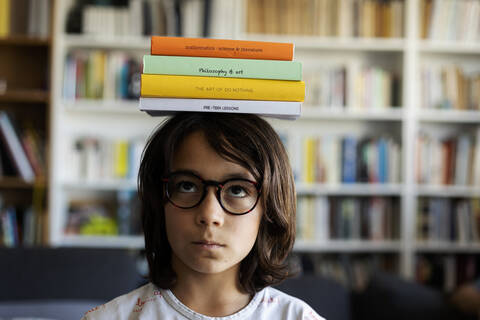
[186, 186]
[237, 191]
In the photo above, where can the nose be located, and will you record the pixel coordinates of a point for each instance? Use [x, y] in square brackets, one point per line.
[210, 212]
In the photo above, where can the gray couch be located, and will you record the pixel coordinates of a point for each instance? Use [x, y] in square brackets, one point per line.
[63, 284]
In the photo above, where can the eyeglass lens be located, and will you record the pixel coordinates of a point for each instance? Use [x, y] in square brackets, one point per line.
[187, 191]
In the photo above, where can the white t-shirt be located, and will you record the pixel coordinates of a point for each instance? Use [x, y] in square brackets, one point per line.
[149, 302]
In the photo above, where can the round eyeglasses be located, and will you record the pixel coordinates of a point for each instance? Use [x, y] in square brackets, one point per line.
[236, 196]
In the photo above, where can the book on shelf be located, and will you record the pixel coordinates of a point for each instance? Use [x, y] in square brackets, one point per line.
[98, 74]
[450, 87]
[112, 19]
[450, 20]
[117, 216]
[103, 159]
[10, 137]
[168, 106]
[19, 227]
[221, 48]
[334, 159]
[327, 86]
[347, 218]
[376, 88]
[193, 18]
[25, 17]
[173, 86]
[447, 220]
[452, 160]
[373, 88]
[223, 67]
[326, 18]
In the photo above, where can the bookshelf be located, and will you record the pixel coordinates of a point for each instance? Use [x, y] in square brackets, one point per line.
[25, 95]
[398, 58]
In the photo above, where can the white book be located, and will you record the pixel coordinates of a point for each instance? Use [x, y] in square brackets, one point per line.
[322, 219]
[462, 159]
[476, 161]
[15, 148]
[434, 20]
[167, 106]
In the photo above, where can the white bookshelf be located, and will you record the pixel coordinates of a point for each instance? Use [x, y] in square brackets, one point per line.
[348, 246]
[354, 189]
[405, 56]
[129, 242]
[447, 247]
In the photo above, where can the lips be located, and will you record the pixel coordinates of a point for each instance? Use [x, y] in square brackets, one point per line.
[208, 244]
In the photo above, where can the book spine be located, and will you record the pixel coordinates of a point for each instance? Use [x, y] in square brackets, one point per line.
[223, 67]
[169, 86]
[15, 148]
[221, 48]
[273, 108]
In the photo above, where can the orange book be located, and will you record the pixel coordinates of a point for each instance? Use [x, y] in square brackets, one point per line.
[221, 48]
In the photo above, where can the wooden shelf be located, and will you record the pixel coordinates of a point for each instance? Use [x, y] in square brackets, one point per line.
[26, 96]
[18, 183]
[25, 41]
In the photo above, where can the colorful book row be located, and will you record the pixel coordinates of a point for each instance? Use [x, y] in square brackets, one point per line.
[100, 74]
[447, 161]
[101, 216]
[450, 20]
[321, 218]
[327, 18]
[334, 159]
[19, 227]
[221, 75]
[444, 219]
[25, 17]
[101, 159]
[449, 87]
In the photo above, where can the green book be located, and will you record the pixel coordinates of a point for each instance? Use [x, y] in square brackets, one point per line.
[223, 67]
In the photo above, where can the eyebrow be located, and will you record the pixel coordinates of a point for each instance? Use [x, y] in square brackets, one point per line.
[234, 175]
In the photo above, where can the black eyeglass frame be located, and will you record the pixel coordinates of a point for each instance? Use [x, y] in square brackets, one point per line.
[218, 185]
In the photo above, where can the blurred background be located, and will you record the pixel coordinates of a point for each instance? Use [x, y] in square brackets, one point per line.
[386, 155]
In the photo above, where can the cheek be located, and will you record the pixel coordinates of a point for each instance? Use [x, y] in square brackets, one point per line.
[173, 224]
[247, 232]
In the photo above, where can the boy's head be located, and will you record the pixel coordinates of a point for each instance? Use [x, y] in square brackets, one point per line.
[248, 141]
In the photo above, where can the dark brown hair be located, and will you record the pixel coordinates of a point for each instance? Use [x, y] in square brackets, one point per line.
[249, 141]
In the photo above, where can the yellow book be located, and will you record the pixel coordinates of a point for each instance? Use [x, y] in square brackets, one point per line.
[121, 158]
[4, 18]
[171, 86]
[309, 162]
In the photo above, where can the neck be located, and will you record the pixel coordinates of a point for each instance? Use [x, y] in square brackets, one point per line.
[214, 295]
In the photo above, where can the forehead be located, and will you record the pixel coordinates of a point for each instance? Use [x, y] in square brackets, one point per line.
[195, 154]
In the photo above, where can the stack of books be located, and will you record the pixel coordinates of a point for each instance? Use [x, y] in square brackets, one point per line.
[215, 75]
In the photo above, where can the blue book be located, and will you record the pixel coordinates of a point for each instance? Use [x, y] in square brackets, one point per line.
[382, 146]
[349, 159]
